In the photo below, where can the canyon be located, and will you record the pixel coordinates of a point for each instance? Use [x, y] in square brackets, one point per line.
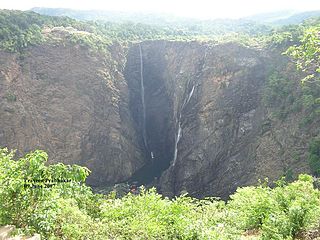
[182, 116]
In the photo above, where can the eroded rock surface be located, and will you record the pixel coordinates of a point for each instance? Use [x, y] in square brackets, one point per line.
[72, 104]
[86, 108]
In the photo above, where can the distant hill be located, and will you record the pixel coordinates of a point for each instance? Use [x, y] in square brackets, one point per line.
[186, 25]
[297, 18]
[270, 17]
[111, 16]
[283, 17]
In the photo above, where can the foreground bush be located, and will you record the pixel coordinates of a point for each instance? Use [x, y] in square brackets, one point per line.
[280, 212]
[31, 193]
[53, 200]
[150, 216]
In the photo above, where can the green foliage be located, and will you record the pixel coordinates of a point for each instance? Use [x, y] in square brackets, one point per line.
[283, 92]
[281, 212]
[307, 54]
[73, 223]
[53, 201]
[251, 205]
[280, 94]
[19, 30]
[149, 216]
[307, 58]
[297, 207]
[30, 191]
[11, 97]
[94, 42]
[314, 156]
[278, 88]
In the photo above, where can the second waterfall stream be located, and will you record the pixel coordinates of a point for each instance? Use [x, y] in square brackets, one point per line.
[179, 133]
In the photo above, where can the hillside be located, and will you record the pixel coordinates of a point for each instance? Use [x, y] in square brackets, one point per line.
[189, 26]
[297, 18]
[282, 18]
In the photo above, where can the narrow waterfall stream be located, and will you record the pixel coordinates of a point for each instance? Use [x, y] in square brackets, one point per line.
[152, 112]
[190, 94]
[179, 133]
[144, 132]
[178, 136]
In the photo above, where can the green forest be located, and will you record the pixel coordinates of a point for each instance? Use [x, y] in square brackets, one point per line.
[21, 29]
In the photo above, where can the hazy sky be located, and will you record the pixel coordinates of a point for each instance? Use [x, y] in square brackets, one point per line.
[191, 8]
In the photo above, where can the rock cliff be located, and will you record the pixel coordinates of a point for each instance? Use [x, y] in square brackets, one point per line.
[186, 116]
[72, 104]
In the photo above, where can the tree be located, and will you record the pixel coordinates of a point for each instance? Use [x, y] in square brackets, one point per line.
[307, 54]
[307, 59]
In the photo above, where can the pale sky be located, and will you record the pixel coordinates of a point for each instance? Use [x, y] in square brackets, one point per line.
[189, 8]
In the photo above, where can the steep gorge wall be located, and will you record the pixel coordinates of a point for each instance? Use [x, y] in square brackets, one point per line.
[72, 104]
[227, 137]
[86, 108]
[215, 94]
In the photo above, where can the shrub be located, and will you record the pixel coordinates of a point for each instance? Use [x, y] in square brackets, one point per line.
[298, 207]
[74, 223]
[280, 212]
[29, 190]
[11, 97]
[69, 210]
[251, 205]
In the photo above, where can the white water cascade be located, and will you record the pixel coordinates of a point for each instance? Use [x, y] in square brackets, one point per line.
[178, 136]
[190, 94]
[179, 133]
[144, 132]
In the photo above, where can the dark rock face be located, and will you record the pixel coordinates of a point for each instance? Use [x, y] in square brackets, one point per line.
[158, 110]
[72, 104]
[86, 108]
[215, 95]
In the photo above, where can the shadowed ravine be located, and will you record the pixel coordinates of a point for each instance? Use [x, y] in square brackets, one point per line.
[187, 102]
[186, 114]
[151, 113]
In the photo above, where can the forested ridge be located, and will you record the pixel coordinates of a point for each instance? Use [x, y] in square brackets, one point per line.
[21, 29]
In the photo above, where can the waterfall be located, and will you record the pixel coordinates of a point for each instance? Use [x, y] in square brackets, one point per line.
[179, 133]
[176, 143]
[144, 132]
[190, 94]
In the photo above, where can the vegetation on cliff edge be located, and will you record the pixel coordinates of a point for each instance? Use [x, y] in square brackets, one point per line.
[19, 30]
